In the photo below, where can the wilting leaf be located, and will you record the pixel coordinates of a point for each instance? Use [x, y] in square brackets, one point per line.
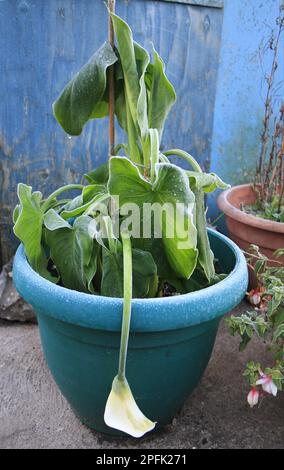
[28, 228]
[144, 269]
[170, 187]
[208, 182]
[71, 250]
[142, 61]
[161, 94]
[90, 196]
[91, 268]
[53, 221]
[82, 98]
[99, 175]
[127, 58]
[156, 248]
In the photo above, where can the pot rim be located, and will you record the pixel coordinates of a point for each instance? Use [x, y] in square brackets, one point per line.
[105, 313]
[248, 219]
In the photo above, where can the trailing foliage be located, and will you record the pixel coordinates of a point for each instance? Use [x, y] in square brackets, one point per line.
[266, 322]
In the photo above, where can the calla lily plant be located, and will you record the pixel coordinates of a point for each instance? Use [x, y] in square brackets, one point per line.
[74, 241]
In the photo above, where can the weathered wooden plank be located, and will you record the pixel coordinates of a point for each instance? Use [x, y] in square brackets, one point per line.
[47, 42]
[201, 3]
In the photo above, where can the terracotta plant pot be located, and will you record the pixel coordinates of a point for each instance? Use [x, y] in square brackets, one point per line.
[246, 229]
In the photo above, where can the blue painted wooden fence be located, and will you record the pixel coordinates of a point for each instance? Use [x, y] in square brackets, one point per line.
[44, 42]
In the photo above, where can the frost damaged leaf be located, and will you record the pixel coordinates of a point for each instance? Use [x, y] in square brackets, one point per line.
[28, 228]
[71, 250]
[83, 97]
[206, 182]
[161, 94]
[170, 190]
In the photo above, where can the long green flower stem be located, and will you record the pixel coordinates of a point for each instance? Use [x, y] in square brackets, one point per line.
[127, 288]
[68, 187]
[186, 156]
[154, 145]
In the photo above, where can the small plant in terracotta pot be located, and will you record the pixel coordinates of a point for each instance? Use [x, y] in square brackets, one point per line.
[255, 212]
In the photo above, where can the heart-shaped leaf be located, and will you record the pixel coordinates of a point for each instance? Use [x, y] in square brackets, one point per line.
[71, 250]
[28, 228]
[99, 175]
[172, 192]
[144, 270]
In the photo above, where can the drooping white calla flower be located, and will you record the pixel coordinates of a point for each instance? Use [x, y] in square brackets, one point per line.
[267, 384]
[122, 412]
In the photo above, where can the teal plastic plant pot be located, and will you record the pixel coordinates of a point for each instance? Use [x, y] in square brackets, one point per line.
[171, 339]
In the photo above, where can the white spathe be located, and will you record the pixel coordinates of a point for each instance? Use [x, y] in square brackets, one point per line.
[122, 412]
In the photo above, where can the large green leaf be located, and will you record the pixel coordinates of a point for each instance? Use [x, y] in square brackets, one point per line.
[170, 187]
[161, 94]
[131, 101]
[83, 97]
[71, 250]
[99, 175]
[156, 247]
[125, 46]
[144, 270]
[28, 228]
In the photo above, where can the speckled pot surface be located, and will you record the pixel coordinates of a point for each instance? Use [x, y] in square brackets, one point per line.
[170, 344]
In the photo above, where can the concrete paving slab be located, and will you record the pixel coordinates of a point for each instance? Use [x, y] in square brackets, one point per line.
[34, 415]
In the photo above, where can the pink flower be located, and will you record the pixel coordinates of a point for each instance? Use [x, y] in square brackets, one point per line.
[267, 384]
[253, 397]
[255, 296]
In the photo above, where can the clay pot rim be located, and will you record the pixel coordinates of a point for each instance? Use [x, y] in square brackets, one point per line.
[248, 219]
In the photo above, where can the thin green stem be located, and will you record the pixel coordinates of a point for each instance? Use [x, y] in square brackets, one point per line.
[154, 145]
[127, 288]
[186, 156]
[110, 235]
[68, 187]
[163, 158]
